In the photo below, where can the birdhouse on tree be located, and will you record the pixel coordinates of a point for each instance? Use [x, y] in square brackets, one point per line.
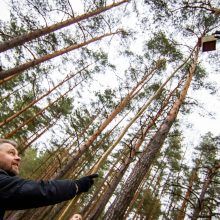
[208, 43]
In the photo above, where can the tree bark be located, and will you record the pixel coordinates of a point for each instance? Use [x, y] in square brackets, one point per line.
[71, 164]
[120, 204]
[16, 114]
[41, 32]
[19, 69]
[96, 211]
[10, 134]
[200, 203]
[181, 213]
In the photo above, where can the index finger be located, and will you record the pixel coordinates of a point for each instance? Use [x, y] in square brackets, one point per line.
[95, 175]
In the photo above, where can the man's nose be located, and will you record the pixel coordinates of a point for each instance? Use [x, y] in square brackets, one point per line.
[18, 158]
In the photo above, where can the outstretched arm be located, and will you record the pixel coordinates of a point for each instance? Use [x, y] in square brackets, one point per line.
[17, 193]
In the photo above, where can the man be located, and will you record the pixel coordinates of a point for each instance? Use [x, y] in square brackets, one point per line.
[17, 193]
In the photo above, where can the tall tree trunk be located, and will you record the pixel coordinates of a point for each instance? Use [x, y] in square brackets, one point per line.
[41, 32]
[50, 124]
[19, 69]
[200, 203]
[10, 134]
[96, 211]
[137, 193]
[182, 211]
[16, 114]
[22, 87]
[82, 149]
[139, 113]
[120, 204]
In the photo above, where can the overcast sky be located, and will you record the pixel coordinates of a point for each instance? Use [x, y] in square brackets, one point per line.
[201, 122]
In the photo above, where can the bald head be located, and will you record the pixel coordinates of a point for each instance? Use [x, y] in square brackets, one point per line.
[7, 141]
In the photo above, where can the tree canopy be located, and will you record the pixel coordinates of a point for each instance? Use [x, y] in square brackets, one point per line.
[113, 87]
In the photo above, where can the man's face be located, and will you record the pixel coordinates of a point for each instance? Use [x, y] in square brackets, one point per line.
[9, 159]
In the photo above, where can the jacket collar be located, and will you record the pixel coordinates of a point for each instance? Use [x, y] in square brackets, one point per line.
[3, 171]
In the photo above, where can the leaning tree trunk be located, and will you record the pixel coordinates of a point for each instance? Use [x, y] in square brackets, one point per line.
[82, 148]
[200, 203]
[122, 201]
[41, 213]
[16, 114]
[215, 11]
[38, 135]
[96, 211]
[19, 69]
[137, 194]
[182, 211]
[41, 32]
[29, 120]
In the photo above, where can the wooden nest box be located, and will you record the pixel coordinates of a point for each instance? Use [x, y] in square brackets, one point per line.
[208, 43]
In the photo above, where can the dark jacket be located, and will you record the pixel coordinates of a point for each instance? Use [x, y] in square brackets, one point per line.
[17, 193]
